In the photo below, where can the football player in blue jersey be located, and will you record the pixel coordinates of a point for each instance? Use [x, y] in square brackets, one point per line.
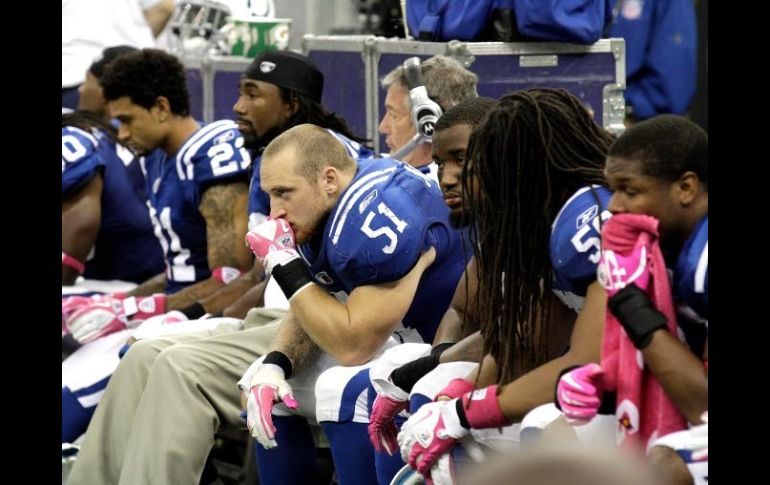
[447, 83]
[278, 90]
[104, 210]
[202, 368]
[457, 338]
[377, 236]
[534, 185]
[196, 180]
[659, 167]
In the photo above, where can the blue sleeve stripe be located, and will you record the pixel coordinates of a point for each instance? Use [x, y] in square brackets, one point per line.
[352, 203]
[569, 201]
[184, 158]
[352, 147]
[352, 193]
[203, 131]
[702, 269]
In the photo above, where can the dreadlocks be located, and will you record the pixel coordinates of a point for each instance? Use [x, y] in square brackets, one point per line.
[86, 120]
[535, 148]
[308, 111]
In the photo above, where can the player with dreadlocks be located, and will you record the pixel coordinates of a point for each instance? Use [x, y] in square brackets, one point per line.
[534, 188]
[524, 182]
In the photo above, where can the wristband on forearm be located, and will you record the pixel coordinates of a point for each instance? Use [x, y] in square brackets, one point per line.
[480, 409]
[71, 262]
[194, 311]
[281, 360]
[406, 376]
[292, 277]
[226, 274]
[639, 317]
[440, 348]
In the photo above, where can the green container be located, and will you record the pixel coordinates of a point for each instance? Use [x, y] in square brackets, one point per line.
[249, 37]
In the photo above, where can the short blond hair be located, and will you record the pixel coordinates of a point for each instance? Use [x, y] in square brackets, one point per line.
[316, 148]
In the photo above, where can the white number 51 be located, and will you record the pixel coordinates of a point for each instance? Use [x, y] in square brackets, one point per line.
[383, 209]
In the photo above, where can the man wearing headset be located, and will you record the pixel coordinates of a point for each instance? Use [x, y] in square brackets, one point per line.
[446, 82]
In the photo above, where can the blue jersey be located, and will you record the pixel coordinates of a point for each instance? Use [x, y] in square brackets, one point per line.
[691, 274]
[125, 248]
[389, 214]
[259, 201]
[212, 155]
[576, 244]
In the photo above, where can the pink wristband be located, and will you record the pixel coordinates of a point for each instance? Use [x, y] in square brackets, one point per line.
[73, 263]
[226, 274]
[455, 388]
[482, 410]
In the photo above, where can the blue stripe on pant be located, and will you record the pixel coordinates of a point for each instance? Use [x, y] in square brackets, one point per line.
[74, 416]
[349, 441]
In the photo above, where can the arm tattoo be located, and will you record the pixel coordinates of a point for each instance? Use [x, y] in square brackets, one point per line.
[225, 209]
[295, 343]
[156, 284]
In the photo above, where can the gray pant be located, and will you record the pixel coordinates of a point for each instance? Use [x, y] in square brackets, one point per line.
[167, 398]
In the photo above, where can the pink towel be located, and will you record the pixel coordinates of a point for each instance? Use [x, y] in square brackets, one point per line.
[643, 410]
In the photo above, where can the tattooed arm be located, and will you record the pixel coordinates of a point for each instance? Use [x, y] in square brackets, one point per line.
[156, 284]
[293, 342]
[234, 294]
[225, 209]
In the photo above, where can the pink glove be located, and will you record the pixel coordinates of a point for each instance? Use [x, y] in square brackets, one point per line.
[268, 386]
[579, 392]
[430, 433]
[272, 242]
[455, 388]
[110, 315]
[616, 271]
[96, 320]
[382, 428]
[70, 304]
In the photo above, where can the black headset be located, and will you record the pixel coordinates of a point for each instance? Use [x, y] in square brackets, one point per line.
[425, 111]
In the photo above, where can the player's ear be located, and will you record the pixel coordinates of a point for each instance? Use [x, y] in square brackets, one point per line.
[330, 180]
[292, 107]
[688, 186]
[162, 108]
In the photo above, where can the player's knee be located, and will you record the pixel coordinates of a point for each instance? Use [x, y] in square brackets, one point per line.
[174, 360]
[341, 394]
[668, 466]
[141, 352]
[436, 380]
[536, 420]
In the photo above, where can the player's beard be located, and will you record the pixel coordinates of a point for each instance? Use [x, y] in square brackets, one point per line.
[456, 220]
[255, 142]
[460, 219]
[313, 233]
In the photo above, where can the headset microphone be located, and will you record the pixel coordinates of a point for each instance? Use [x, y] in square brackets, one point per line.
[425, 111]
